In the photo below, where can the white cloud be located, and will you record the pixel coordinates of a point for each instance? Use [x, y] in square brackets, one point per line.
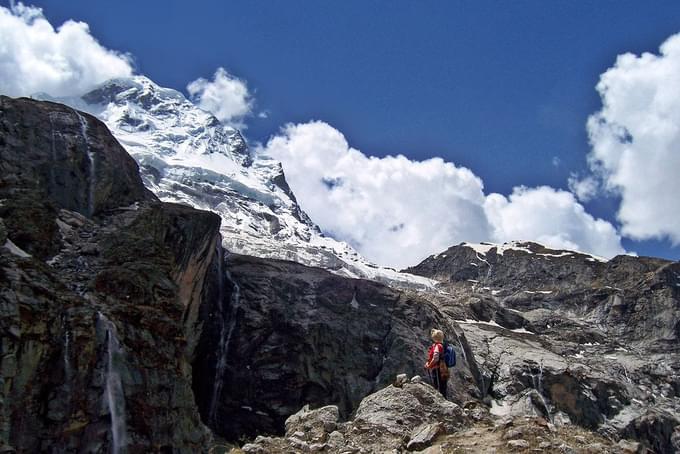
[635, 140]
[393, 210]
[585, 188]
[225, 96]
[552, 217]
[396, 211]
[34, 57]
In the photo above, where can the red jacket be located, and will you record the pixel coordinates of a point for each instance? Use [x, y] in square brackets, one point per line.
[434, 355]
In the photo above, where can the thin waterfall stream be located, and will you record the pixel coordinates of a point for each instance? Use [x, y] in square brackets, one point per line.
[227, 326]
[91, 160]
[114, 397]
[537, 381]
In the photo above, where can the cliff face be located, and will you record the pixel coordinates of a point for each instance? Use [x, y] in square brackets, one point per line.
[286, 335]
[94, 354]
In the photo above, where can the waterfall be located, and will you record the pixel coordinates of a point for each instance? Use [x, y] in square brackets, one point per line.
[114, 398]
[537, 381]
[227, 326]
[462, 350]
[90, 156]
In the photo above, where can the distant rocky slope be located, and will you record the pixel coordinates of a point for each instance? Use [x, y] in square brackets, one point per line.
[569, 336]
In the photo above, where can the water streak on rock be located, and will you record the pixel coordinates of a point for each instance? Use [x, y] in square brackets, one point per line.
[90, 156]
[537, 381]
[67, 356]
[53, 180]
[227, 326]
[114, 397]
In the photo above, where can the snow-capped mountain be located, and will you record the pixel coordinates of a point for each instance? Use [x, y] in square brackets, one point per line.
[187, 156]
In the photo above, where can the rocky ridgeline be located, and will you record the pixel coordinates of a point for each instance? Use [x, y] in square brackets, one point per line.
[126, 327]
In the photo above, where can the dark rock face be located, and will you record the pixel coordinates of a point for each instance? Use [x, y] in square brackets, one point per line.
[96, 341]
[296, 335]
[53, 157]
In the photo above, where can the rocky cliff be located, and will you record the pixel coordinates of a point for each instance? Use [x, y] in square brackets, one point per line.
[98, 323]
[289, 335]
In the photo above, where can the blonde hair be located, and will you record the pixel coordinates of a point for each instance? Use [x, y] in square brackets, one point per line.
[437, 335]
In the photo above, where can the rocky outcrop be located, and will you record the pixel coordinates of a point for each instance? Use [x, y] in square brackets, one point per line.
[569, 337]
[98, 323]
[288, 335]
[54, 157]
[416, 418]
[393, 419]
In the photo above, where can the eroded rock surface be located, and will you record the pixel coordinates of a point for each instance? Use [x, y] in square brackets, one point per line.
[291, 335]
[94, 354]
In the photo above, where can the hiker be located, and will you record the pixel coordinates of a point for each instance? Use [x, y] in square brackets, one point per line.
[435, 365]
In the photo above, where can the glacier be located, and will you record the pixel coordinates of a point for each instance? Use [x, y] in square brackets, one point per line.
[188, 156]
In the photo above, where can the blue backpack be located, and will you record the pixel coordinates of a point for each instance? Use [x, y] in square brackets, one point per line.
[449, 355]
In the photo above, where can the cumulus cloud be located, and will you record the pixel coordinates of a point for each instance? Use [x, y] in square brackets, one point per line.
[36, 57]
[585, 188]
[393, 210]
[635, 140]
[396, 211]
[225, 96]
[552, 217]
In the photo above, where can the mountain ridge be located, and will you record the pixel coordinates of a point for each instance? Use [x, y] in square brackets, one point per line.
[187, 156]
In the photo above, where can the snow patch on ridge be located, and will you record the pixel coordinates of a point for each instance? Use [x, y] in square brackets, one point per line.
[523, 246]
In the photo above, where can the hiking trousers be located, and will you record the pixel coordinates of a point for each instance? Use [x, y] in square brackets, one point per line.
[437, 381]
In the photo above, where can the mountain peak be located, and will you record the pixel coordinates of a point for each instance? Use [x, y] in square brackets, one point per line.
[187, 156]
[151, 120]
[131, 88]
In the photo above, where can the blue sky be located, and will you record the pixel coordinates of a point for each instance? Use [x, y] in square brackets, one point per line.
[504, 89]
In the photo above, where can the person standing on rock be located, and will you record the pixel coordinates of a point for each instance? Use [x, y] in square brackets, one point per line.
[435, 365]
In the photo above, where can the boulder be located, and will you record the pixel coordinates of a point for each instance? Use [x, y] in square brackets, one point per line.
[393, 416]
[313, 424]
[423, 436]
[400, 380]
[518, 444]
